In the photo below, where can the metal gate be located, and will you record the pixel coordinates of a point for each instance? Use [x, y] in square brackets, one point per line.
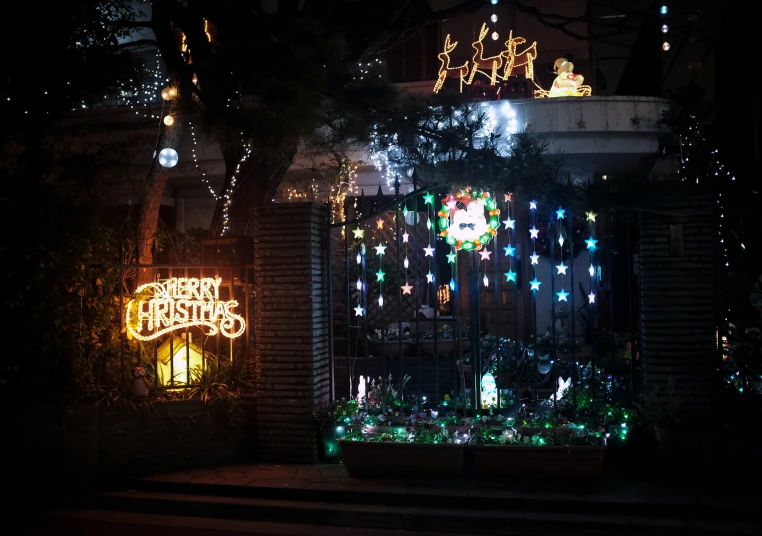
[406, 302]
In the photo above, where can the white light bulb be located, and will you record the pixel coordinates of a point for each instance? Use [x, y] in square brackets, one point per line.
[406, 263]
[169, 120]
[664, 28]
[485, 280]
[665, 46]
[168, 157]
[495, 36]
[359, 284]
[493, 18]
[359, 259]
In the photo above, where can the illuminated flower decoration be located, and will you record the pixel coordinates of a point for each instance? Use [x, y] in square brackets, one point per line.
[468, 228]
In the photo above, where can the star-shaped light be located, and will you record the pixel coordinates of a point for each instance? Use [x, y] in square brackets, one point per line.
[533, 232]
[379, 223]
[485, 255]
[509, 223]
[429, 277]
[406, 288]
[428, 199]
[358, 232]
[591, 270]
[380, 301]
[452, 285]
[380, 249]
[535, 258]
[591, 297]
[380, 275]
[451, 204]
[359, 284]
[561, 269]
[561, 240]
[562, 295]
[533, 205]
[510, 275]
[510, 251]
[534, 284]
[359, 310]
[485, 280]
[508, 198]
[429, 251]
[451, 258]
[406, 262]
[405, 236]
[591, 243]
[590, 216]
[560, 213]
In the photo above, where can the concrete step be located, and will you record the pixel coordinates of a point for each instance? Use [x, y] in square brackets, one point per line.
[116, 523]
[549, 496]
[326, 512]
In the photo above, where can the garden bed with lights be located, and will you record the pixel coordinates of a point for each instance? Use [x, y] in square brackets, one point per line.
[562, 452]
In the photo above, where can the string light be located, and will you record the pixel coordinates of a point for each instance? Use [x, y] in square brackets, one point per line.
[169, 120]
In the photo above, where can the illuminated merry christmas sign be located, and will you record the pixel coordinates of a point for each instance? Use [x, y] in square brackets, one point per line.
[178, 303]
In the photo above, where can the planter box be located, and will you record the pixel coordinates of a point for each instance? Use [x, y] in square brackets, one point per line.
[444, 348]
[390, 349]
[409, 460]
[493, 461]
[463, 429]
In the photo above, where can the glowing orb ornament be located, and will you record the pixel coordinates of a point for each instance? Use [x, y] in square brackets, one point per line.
[495, 36]
[169, 120]
[463, 222]
[493, 18]
[665, 46]
[168, 93]
[168, 157]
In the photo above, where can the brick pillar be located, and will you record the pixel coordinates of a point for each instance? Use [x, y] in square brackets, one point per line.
[290, 328]
[677, 294]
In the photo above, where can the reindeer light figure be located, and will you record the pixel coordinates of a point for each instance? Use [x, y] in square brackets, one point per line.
[445, 70]
[516, 60]
[480, 62]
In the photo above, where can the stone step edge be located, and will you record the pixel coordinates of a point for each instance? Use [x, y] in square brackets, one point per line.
[486, 501]
[399, 517]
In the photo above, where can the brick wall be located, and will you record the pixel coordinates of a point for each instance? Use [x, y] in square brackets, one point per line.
[291, 327]
[677, 294]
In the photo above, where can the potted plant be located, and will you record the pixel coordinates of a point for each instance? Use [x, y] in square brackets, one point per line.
[444, 343]
[419, 451]
[389, 343]
[334, 418]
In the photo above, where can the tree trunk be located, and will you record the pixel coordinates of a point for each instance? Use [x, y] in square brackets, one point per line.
[155, 184]
[257, 182]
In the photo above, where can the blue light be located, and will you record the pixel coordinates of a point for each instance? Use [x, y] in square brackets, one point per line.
[663, 9]
[494, 2]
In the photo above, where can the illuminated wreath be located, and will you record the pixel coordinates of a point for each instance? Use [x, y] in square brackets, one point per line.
[468, 229]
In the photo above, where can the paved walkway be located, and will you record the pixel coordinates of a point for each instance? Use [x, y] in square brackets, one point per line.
[334, 477]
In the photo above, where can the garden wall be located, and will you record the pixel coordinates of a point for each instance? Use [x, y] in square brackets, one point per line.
[49, 447]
